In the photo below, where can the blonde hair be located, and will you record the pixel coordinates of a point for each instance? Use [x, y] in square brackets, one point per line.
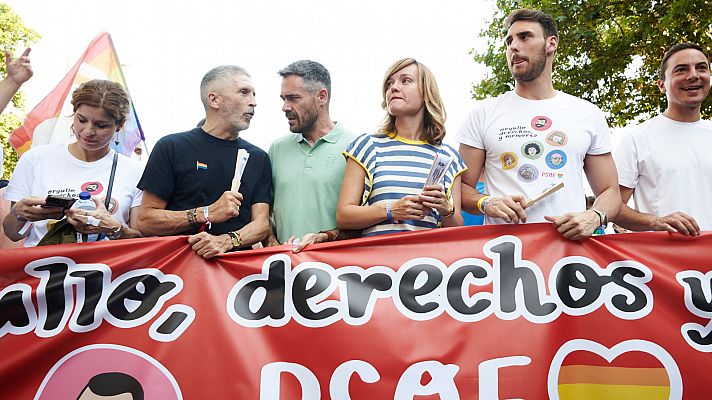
[434, 116]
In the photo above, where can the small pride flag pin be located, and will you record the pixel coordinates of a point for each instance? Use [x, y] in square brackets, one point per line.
[201, 165]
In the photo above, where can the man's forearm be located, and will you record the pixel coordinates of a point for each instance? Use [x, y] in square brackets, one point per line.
[470, 197]
[634, 220]
[253, 232]
[609, 203]
[157, 222]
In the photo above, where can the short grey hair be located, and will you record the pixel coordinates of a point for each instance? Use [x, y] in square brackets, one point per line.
[215, 76]
[315, 75]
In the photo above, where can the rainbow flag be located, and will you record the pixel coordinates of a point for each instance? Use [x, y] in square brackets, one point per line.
[49, 121]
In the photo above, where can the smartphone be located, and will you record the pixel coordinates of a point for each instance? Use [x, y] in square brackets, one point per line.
[63, 202]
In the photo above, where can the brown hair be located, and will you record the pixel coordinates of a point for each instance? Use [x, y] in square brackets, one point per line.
[434, 116]
[105, 94]
[674, 49]
[545, 20]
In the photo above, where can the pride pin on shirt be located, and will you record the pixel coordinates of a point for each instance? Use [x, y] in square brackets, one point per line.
[201, 165]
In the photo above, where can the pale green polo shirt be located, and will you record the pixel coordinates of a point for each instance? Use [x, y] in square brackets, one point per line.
[307, 181]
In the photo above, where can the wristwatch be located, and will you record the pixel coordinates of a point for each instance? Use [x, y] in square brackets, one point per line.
[116, 233]
[235, 238]
[601, 216]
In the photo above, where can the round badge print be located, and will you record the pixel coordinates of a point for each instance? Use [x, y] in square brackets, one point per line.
[556, 159]
[541, 123]
[94, 188]
[557, 138]
[509, 160]
[532, 150]
[527, 173]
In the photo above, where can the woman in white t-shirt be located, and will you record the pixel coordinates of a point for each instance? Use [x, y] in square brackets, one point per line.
[384, 190]
[100, 110]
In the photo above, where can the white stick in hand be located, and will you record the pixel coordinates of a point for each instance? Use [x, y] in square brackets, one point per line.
[547, 192]
[242, 156]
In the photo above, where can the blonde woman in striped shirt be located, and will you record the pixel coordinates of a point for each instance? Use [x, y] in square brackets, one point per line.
[383, 188]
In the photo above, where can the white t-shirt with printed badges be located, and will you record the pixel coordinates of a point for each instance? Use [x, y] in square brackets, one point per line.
[533, 144]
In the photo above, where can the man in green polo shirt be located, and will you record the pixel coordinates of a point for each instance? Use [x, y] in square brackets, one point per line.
[307, 166]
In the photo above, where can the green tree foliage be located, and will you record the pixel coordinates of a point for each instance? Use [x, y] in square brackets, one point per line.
[14, 37]
[609, 50]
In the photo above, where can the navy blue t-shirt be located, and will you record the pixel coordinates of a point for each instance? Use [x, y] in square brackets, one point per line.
[193, 169]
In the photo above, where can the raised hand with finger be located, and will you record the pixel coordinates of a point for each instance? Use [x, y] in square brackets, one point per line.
[20, 70]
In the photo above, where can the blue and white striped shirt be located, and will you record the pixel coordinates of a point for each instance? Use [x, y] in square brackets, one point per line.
[397, 167]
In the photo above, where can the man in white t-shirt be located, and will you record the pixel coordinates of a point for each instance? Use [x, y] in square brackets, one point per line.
[534, 137]
[665, 162]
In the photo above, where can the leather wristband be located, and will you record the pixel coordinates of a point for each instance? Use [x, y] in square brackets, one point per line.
[191, 216]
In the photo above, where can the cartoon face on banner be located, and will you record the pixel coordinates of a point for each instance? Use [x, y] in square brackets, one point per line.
[108, 371]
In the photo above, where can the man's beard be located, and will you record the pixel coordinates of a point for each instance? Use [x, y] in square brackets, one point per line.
[536, 67]
[307, 121]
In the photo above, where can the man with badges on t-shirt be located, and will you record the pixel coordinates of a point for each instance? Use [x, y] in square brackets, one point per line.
[665, 163]
[535, 137]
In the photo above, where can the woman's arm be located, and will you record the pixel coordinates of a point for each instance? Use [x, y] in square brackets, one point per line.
[24, 211]
[103, 222]
[350, 214]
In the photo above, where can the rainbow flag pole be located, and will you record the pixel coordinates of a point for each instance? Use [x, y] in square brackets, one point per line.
[48, 121]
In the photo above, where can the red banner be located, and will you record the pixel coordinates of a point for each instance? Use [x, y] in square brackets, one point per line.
[474, 312]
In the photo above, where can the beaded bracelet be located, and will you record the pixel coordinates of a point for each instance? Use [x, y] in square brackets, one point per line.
[389, 214]
[191, 216]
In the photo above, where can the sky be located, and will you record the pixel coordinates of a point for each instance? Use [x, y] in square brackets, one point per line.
[166, 48]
